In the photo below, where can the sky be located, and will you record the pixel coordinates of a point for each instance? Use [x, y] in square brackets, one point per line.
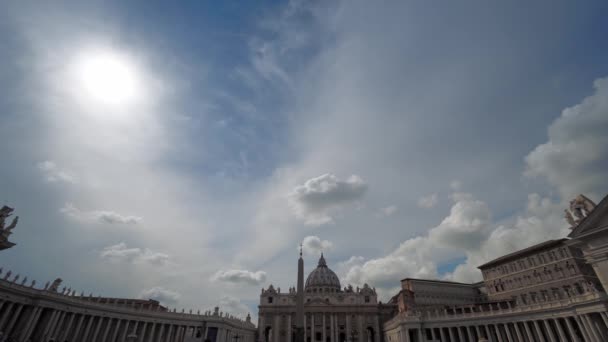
[183, 151]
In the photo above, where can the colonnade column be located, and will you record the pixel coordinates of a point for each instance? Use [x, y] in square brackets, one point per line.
[442, 334]
[11, 323]
[168, 339]
[332, 332]
[460, 337]
[377, 330]
[116, 329]
[97, 328]
[539, 331]
[312, 327]
[451, 334]
[549, 330]
[520, 337]
[348, 338]
[508, 330]
[64, 335]
[571, 330]
[582, 327]
[360, 324]
[289, 333]
[106, 331]
[488, 333]
[48, 325]
[56, 325]
[31, 323]
[305, 328]
[591, 327]
[324, 328]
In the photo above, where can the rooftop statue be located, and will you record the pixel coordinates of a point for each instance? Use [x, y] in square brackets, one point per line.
[580, 207]
[5, 231]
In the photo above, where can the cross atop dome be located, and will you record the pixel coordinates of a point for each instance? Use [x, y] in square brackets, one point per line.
[322, 262]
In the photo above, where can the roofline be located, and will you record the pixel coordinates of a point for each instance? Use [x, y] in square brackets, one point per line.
[522, 252]
[438, 281]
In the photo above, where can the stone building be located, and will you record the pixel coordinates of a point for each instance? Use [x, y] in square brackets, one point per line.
[552, 291]
[330, 313]
[32, 314]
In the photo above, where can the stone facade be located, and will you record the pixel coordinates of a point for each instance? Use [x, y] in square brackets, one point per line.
[331, 313]
[553, 291]
[31, 314]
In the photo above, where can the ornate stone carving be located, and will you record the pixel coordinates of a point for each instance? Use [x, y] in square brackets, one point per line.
[580, 207]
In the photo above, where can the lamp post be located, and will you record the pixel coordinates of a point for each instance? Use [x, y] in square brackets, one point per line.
[237, 337]
[132, 337]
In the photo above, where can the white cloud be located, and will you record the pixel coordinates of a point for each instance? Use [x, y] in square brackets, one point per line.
[120, 252]
[53, 173]
[456, 185]
[468, 230]
[316, 199]
[240, 277]
[428, 201]
[162, 295]
[313, 245]
[99, 216]
[575, 158]
[233, 306]
[388, 211]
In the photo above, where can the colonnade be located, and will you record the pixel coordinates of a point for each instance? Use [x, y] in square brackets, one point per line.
[322, 326]
[590, 326]
[26, 319]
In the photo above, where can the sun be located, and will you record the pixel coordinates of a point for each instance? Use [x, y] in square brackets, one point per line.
[107, 77]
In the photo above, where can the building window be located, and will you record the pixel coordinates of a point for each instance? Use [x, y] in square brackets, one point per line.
[270, 300]
[367, 299]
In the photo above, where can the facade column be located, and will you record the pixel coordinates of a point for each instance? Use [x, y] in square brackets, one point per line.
[573, 335]
[152, 332]
[360, 328]
[498, 334]
[31, 323]
[57, 325]
[549, 330]
[64, 335]
[170, 334]
[323, 327]
[477, 330]
[107, 329]
[88, 328]
[74, 336]
[460, 337]
[115, 333]
[488, 333]
[5, 315]
[587, 319]
[277, 328]
[528, 331]
[289, 333]
[162, 331]
[442, 334]
[332, 333]
[11, 323]
[508, 331]
[433, 334]
[125, 332]
[305, 329]
[420, 336]
[312, 327]
[604, 318]
[451, 334]
[560, 330]
[583, 328]
[377, 331]
[348, 338]
[520, 337]
[539, 331]
[97, 327]
[49, 324]
[140, 338]
[470, 332]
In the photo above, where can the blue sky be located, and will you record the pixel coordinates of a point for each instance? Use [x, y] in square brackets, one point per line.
[404, 140]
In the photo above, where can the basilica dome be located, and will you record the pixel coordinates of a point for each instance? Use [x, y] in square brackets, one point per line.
[322, 279]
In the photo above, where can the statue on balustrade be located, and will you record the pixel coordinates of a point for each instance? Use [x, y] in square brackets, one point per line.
[5, 231]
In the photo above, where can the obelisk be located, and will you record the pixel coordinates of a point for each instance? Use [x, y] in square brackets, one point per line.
[300, 301]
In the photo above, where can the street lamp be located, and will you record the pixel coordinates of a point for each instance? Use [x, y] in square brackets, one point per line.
[132, 337]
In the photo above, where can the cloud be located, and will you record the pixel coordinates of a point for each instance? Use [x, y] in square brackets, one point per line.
[162, 295]
[316, 199]
[55, 174]
[240, 277]
[388, 211]
[233, 306]
[99, 216]
[455, 185]
[120, 252]
[313, 245]
[468, 230]
[429, 201]
[575, 158]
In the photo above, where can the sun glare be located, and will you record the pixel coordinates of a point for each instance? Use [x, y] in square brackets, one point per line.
[108, 78]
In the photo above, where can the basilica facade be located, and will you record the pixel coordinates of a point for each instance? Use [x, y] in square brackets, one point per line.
[330, 313]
